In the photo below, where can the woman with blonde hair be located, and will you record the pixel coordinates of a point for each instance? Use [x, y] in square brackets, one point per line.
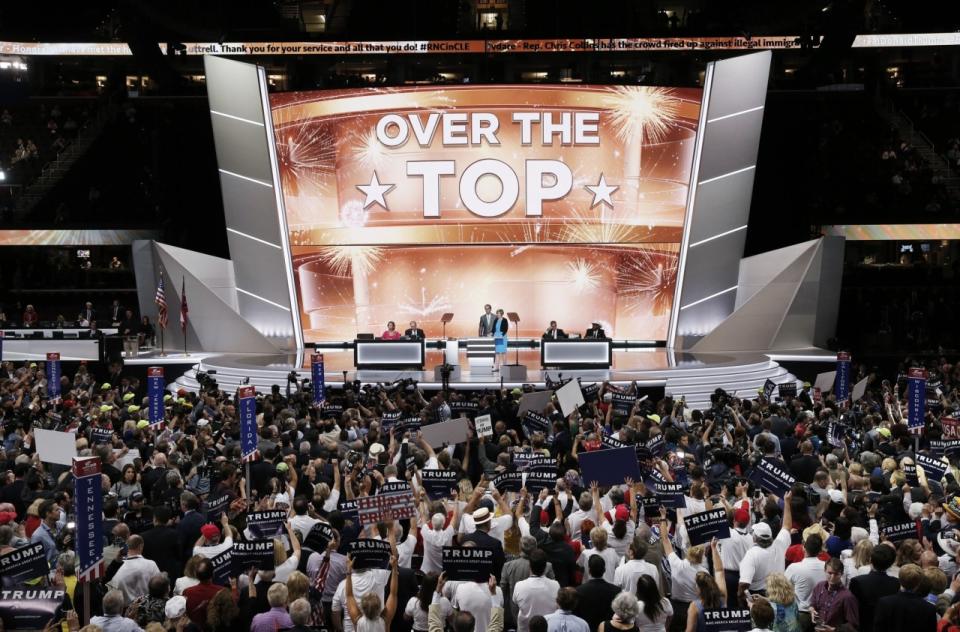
[371, 615]
[598, 540]
[858, 562]
[909, 552]
[189, 578]
[784, 602]
[298, 585]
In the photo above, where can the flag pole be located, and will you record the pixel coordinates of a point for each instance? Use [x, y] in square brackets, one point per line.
[161, 322]
[183, 316]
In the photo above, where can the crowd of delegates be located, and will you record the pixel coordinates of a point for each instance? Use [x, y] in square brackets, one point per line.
[571, 557]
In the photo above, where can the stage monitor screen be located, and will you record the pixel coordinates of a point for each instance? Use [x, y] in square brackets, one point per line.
[556, 202]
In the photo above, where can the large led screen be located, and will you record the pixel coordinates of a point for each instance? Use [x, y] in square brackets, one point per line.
[558, 203]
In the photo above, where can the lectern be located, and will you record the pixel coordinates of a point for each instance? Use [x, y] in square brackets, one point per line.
[446, 318]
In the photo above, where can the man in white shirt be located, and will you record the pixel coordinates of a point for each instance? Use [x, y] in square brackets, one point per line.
[133, 577]
[628, 573]
[807, 573]
[301, 521]
[766, 555]
[465, 619]
[475, 598]
[536, 595]
[583, 511]
[209, 544]
[734, 548]
[435, 537]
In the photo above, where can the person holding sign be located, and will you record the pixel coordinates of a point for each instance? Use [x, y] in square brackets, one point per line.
[209, 543]
[685, 573]
[766, 556]
[466, 620]
[370, 615]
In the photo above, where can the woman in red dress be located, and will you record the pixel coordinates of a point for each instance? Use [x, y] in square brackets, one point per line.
[391, 333]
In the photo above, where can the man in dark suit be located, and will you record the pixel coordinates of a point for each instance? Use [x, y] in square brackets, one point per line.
[482, 538]
[414, 333]
[406, 588]
[553, 333]
[486, 322]
[116, 313]
[553, 542]
[87, 314]
[189, 527]
[162, 543]
[129, 325]
[906, 610]
[596, 332]
[805, 466]
[596, 595]
[870, 588]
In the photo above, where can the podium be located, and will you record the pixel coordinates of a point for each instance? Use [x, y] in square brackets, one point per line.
[451, 357]
[481, 353]
[515, 372]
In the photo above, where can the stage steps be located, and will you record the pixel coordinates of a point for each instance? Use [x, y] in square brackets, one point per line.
[696, 384]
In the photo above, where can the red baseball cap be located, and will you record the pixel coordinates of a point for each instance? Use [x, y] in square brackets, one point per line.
[622, 513]
[209, 530]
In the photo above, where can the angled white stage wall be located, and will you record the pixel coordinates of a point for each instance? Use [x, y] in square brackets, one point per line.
[718, 204]
[249, 301]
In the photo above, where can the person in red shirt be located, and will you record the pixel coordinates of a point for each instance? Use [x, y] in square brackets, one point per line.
[200, 596]
[391, 333]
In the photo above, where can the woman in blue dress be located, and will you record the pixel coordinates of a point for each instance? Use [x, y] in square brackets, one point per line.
[500, 326]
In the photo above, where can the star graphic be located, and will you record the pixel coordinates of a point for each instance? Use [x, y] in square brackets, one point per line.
[601, 192]
[375, 192]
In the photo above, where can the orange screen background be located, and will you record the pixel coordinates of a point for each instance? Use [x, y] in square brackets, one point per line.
[357, 268]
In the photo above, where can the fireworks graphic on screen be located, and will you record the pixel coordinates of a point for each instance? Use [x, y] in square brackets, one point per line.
[583, 275]
[425, 306]
[643, 113]
[306, 153]
[344, 260]
[646, 277]
[367, 149]
[588, 229]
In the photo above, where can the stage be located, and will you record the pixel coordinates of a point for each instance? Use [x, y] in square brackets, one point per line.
[692, 375]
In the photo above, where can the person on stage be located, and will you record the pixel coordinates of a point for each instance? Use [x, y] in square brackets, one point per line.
[596, 332]
[391, 333]
[554, 333]
[486, 323]
[414, 332]
[500, 326]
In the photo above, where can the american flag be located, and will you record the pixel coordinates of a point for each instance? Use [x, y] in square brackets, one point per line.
[183, 306]
[161, 301]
